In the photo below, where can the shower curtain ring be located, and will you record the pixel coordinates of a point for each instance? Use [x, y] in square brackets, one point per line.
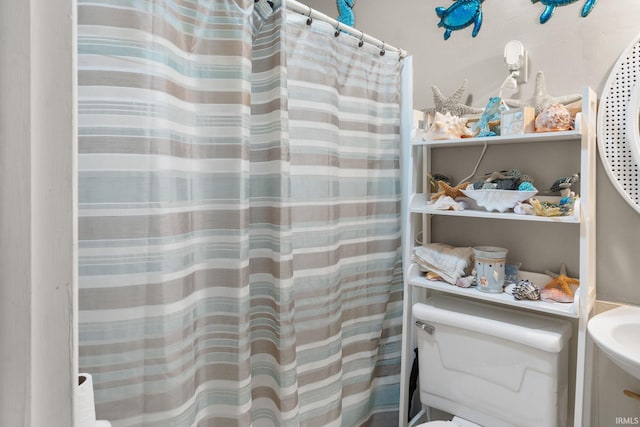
[361, 42]
[309, 18]
[337, 33]
[382, 51]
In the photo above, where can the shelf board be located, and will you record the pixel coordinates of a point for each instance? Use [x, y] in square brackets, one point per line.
[569, 135]
[416, 278]
[419, 205]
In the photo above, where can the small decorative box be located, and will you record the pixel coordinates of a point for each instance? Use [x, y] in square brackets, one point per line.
[518, 121]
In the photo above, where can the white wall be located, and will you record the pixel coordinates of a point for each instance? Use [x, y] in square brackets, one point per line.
[37, 202]
[573, 52]
[15, 319]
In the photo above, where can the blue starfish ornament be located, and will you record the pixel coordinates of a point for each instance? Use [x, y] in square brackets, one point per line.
[550, 6]
[459, 15]
[345, 7]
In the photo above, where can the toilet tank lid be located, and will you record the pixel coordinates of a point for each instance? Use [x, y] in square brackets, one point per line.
[544, 333]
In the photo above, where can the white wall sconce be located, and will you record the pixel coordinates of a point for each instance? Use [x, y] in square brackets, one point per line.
[516, 59]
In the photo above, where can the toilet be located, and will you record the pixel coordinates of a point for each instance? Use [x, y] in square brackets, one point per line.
[491, 366]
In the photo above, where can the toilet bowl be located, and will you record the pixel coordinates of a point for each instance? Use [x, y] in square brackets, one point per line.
[455, 422]
[438, 424]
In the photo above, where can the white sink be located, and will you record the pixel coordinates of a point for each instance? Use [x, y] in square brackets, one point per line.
[617, 333]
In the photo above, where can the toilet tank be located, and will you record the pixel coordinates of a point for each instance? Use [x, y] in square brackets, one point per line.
[492, 365]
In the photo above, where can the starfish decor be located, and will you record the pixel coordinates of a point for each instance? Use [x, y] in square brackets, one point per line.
[562, 281]
[447, 190]
[452, 104]
[541, 97]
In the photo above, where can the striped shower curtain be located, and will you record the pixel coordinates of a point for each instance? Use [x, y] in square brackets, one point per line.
[239, 199]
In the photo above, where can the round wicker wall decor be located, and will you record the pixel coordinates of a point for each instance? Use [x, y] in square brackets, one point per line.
[619, 125]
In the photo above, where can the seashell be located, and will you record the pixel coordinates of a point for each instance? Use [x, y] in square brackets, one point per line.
[447, 203]
[555, 295]
[446, 126]
[525, 290]
[553, 117]
[498, 200]
[465, 282]
[524, 209]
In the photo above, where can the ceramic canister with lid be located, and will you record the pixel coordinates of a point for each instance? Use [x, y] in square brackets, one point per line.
[489, 266]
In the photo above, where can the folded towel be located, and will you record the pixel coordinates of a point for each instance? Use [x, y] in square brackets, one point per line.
[449, 262]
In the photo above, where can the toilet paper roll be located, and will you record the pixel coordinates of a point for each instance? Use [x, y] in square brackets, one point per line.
[84, 405]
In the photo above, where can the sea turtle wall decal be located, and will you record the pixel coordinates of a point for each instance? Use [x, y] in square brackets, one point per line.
[345, 8]
[459, 15]
[463, 13]
[550, 6]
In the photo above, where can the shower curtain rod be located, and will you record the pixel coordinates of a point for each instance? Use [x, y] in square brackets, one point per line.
[303, 9]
